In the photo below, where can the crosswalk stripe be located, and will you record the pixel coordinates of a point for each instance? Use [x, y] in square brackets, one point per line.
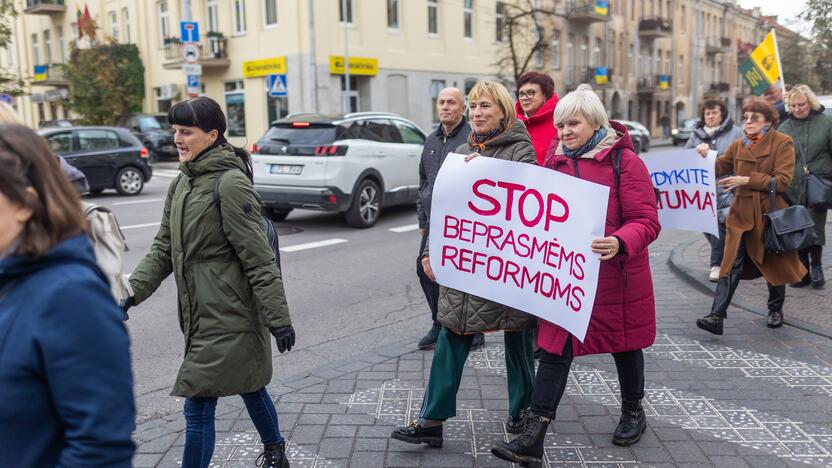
[166, 173]
[312, 245]
[407, 228]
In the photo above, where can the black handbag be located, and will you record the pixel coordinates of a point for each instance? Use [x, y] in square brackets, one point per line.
[788, 229]
[818, 191]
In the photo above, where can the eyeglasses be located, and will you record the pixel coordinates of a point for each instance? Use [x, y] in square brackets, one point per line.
[751, 117]
[525, 94]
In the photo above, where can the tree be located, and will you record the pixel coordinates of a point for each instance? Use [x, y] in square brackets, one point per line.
[10, 83]
[106, 80]
[819, 14]
[524, 31]
[797, 60]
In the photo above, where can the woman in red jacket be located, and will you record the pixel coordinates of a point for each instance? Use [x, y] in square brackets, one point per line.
[536, 100]
[623, 317]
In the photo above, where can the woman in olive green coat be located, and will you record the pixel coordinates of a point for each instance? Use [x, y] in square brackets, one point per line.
[811, 131]
[496, 133]
[229, 287]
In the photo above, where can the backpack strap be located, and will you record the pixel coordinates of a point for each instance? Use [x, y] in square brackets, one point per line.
[216, 195]
[616, 168]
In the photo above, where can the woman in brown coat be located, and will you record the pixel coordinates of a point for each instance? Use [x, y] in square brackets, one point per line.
[761, 154]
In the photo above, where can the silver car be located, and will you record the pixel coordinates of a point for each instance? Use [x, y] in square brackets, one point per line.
[639, 134]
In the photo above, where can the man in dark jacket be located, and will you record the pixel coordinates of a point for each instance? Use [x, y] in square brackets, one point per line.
[452, 131]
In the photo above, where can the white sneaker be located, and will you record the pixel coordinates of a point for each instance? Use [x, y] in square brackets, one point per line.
[713, 276]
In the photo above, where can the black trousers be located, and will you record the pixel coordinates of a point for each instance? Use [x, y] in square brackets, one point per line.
[430, 288]
[727, 286]
[717, 245]
[553, 374]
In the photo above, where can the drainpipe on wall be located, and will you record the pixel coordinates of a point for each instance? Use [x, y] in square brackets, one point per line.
[674, 79]
[313, 64]
[694, 94]
[345, 92]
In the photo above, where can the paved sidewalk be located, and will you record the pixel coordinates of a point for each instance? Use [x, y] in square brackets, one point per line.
[806, 308]
[754, 397]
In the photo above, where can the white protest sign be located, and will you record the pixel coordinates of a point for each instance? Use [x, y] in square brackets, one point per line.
[687, 186]
[519, 235]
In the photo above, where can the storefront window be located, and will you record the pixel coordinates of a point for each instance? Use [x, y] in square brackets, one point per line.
[278, 107]
[235, 108]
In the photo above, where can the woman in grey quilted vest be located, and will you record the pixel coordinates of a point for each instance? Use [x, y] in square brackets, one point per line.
[715, 131]
[498, 134]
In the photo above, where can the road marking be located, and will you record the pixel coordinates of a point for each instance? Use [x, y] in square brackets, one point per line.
[138, 226]
[312, 245]
[149, 200]
[408, 228]
[171, 173]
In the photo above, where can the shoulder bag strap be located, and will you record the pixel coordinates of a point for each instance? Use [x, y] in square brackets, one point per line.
[772, 184]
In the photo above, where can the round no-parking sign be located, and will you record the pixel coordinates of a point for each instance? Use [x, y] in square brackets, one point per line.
[190, 53]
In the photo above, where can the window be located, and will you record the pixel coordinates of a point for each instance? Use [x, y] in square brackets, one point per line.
[596, 52]
[73, 33]
[91, 140]
[683, 20]
[238, 10]
[112, 17]
[584, 52]
[393, 14]
[345, 16]
[468, 18]
[164, 22]
[235, 108]
[410, 135]
[680, 70]
[433, 16]
[435, 87]
[163, 100]
[352, 98]
[538, 55]
[47, 46]
[212, 11]
[630, 63]
[61, 44]
[381, 130]
[35, 49]
[61, 143]
[270, 12]
[556, 50]
[125, 19]
[500, 21]
[570, 58]
[277, 107]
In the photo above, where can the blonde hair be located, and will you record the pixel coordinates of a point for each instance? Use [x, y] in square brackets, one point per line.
[583, 101]
[8, 115]
[501, 98]
[805, 91]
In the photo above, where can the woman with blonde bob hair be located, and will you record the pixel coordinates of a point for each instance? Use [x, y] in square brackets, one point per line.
[495, 133]
[623, 319]
[811, 131]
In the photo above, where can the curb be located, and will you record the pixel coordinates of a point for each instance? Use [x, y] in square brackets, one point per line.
[687, 274]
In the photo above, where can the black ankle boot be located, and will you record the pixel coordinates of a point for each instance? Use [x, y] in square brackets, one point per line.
[273, 456]
[806, 281]
[632, 424]
[775, 319]
[515, 425]
[416, 434]
[429, 340]
[527, 448]
[711, 323]
[816, 273]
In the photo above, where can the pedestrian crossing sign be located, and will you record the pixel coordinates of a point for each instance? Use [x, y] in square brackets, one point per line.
[277, 85]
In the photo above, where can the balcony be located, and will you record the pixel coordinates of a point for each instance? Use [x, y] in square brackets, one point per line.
[44, 7]
[719, 87]
[715, 45]
[587, 11]
[654, 84]
[54, 77]
[213, 53]
[652, 28]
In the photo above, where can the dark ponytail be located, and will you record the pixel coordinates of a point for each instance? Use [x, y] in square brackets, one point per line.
[206, 114]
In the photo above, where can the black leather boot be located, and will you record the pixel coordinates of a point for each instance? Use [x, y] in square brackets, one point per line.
[775, 319]
[527, 448]
[416, 434]
[429, 340]
[273, 456]
[711, 323]
[816, 273]
[632, 424]
[803, 254]
[515, 425]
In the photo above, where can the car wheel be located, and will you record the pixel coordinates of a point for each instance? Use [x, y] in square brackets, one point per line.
[645, 146]
[637, 146]
[129, 181]
[276, 214]
[366, 203]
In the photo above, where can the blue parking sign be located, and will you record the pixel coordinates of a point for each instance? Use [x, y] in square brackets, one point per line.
[193, 81]
[277, 85]
[189, 31]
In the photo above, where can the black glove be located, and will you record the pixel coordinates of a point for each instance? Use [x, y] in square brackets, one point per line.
[284, 336]
[126, 305]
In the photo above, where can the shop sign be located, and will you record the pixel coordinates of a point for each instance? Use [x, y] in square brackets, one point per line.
[264, 67]
[363, 66]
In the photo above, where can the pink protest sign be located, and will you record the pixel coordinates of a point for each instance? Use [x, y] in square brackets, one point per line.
[519, 235]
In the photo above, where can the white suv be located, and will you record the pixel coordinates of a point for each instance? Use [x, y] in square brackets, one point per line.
[354, 164]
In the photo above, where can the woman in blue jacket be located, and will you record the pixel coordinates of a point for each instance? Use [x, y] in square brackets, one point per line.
[66, 389]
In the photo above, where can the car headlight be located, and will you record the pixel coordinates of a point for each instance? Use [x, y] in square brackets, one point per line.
[675, 131]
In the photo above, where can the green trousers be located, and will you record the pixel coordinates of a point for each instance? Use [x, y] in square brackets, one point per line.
[449, 358]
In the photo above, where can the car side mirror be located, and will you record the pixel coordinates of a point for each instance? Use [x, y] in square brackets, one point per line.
[136, 128]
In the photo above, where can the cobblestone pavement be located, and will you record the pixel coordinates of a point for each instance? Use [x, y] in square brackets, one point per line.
[754, 397]
[807, 308]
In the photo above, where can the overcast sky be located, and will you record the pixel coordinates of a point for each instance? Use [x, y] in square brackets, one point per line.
[786, 10]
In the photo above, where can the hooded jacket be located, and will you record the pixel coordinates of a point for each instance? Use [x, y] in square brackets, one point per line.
[813, 146]
[229, 287]
[624, 313]
[465, 313]
[66, 389]
[437, 146]
[541, 127]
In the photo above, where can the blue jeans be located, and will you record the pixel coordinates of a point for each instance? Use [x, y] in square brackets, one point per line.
[200, 434]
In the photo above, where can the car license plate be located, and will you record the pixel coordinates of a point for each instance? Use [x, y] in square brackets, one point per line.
[285, 169]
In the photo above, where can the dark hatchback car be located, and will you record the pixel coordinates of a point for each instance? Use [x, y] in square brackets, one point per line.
[154, 131]
[110, 157]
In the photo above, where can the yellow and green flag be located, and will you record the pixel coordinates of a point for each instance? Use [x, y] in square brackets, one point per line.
[762, 68]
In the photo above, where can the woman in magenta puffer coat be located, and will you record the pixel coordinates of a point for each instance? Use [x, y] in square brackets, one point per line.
[623, 318]
[536, 100]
